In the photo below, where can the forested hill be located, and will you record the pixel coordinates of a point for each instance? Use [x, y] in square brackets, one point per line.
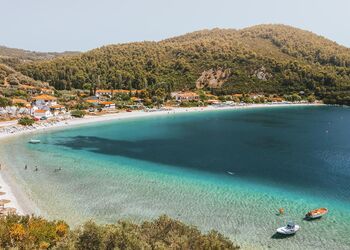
[12, 56]
[264, 58]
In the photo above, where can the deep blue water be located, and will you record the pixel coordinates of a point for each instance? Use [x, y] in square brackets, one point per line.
[306, 148]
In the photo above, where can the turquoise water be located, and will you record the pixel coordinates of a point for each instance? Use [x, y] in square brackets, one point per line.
[292, 157]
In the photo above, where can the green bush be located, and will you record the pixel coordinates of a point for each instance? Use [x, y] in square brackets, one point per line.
[78, 113]
[26, 121]
[190, 104]
[30, 232]
[5, 102]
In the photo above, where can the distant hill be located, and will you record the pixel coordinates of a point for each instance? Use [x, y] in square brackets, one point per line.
[261, 59]
[12, 56]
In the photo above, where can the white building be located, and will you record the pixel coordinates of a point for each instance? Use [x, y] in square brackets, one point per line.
[58, 109]
[44, 100]
[39, 113]
[107, 105]
[185, 96]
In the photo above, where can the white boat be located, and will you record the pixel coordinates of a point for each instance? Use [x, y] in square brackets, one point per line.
[34, 141]
[316, 213]
[291, 228]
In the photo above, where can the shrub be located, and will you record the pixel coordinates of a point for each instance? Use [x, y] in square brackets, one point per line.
[31, 232]
[90, 237]
[4, 102]
[78, 113]
[26, 121]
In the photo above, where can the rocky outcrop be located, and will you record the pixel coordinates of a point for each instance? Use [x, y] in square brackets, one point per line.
[213, 78]
[262, 74]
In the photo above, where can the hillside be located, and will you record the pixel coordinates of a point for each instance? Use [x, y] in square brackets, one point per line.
[265, 59]
[11, 77]
[12, 56]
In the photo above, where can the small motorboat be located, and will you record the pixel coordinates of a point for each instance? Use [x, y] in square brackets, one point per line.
[34, 141]
[316, 213]
[291, 228]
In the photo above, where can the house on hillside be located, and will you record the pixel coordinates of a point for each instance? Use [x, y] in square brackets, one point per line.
[110, 93]
[21, 102]
[213, 101]
[185, 96]
[256, 96]
[104, 92]
[44, 100]
[29, 89]
[107, 105]
[46, 91]
[93, 102]
[57, 109]
[136, 100]
[39, 113]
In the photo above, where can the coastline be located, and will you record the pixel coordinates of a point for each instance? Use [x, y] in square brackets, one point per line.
[17, 201]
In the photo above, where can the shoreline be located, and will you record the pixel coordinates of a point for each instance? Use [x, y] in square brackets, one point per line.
[10, 188]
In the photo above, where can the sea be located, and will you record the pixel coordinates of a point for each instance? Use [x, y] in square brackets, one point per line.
[225, 170]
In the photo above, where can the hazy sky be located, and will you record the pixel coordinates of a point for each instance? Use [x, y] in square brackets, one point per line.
[58, 25]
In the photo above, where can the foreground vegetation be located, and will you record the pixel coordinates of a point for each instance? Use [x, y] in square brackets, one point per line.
[27, 232]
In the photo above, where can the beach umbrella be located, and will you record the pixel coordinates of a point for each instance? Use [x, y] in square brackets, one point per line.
[3, 202]
[8, 210]
[2, 193]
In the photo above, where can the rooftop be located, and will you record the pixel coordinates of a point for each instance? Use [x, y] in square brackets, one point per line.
[106, 103]
[58, 106]
[40, 111]
[45, 97]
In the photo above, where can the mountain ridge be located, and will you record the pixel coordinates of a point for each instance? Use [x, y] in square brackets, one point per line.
[262, 58]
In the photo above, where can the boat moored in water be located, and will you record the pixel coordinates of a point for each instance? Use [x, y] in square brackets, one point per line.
[316, 213]
[290, 229]
[34, 141]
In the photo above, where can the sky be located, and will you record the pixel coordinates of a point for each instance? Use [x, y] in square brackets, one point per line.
[81, 25]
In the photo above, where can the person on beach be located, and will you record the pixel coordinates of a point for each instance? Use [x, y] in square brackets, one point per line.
[36, 168]
[25, 167]
[281, 211]
[57, 169]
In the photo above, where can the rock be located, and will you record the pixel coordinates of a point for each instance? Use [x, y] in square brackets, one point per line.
[262, 74]
[213, 78]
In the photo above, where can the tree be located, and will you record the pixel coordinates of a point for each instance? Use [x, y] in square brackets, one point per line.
[87, 86]
[90, 237]
[311, 98]
[12, 80]
[4, 102]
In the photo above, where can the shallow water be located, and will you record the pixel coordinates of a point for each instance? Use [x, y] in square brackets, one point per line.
[226, 170]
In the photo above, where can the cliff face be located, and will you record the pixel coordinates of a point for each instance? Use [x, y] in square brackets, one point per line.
[213, 78]
[262, 74]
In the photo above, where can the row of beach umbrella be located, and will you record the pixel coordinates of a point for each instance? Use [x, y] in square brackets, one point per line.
[5, 210]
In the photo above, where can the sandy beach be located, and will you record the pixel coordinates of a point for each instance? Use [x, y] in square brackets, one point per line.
[9, 129]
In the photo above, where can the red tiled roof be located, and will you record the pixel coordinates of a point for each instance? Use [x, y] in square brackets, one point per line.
[45, 97]
[106, 103]
[40, 111]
